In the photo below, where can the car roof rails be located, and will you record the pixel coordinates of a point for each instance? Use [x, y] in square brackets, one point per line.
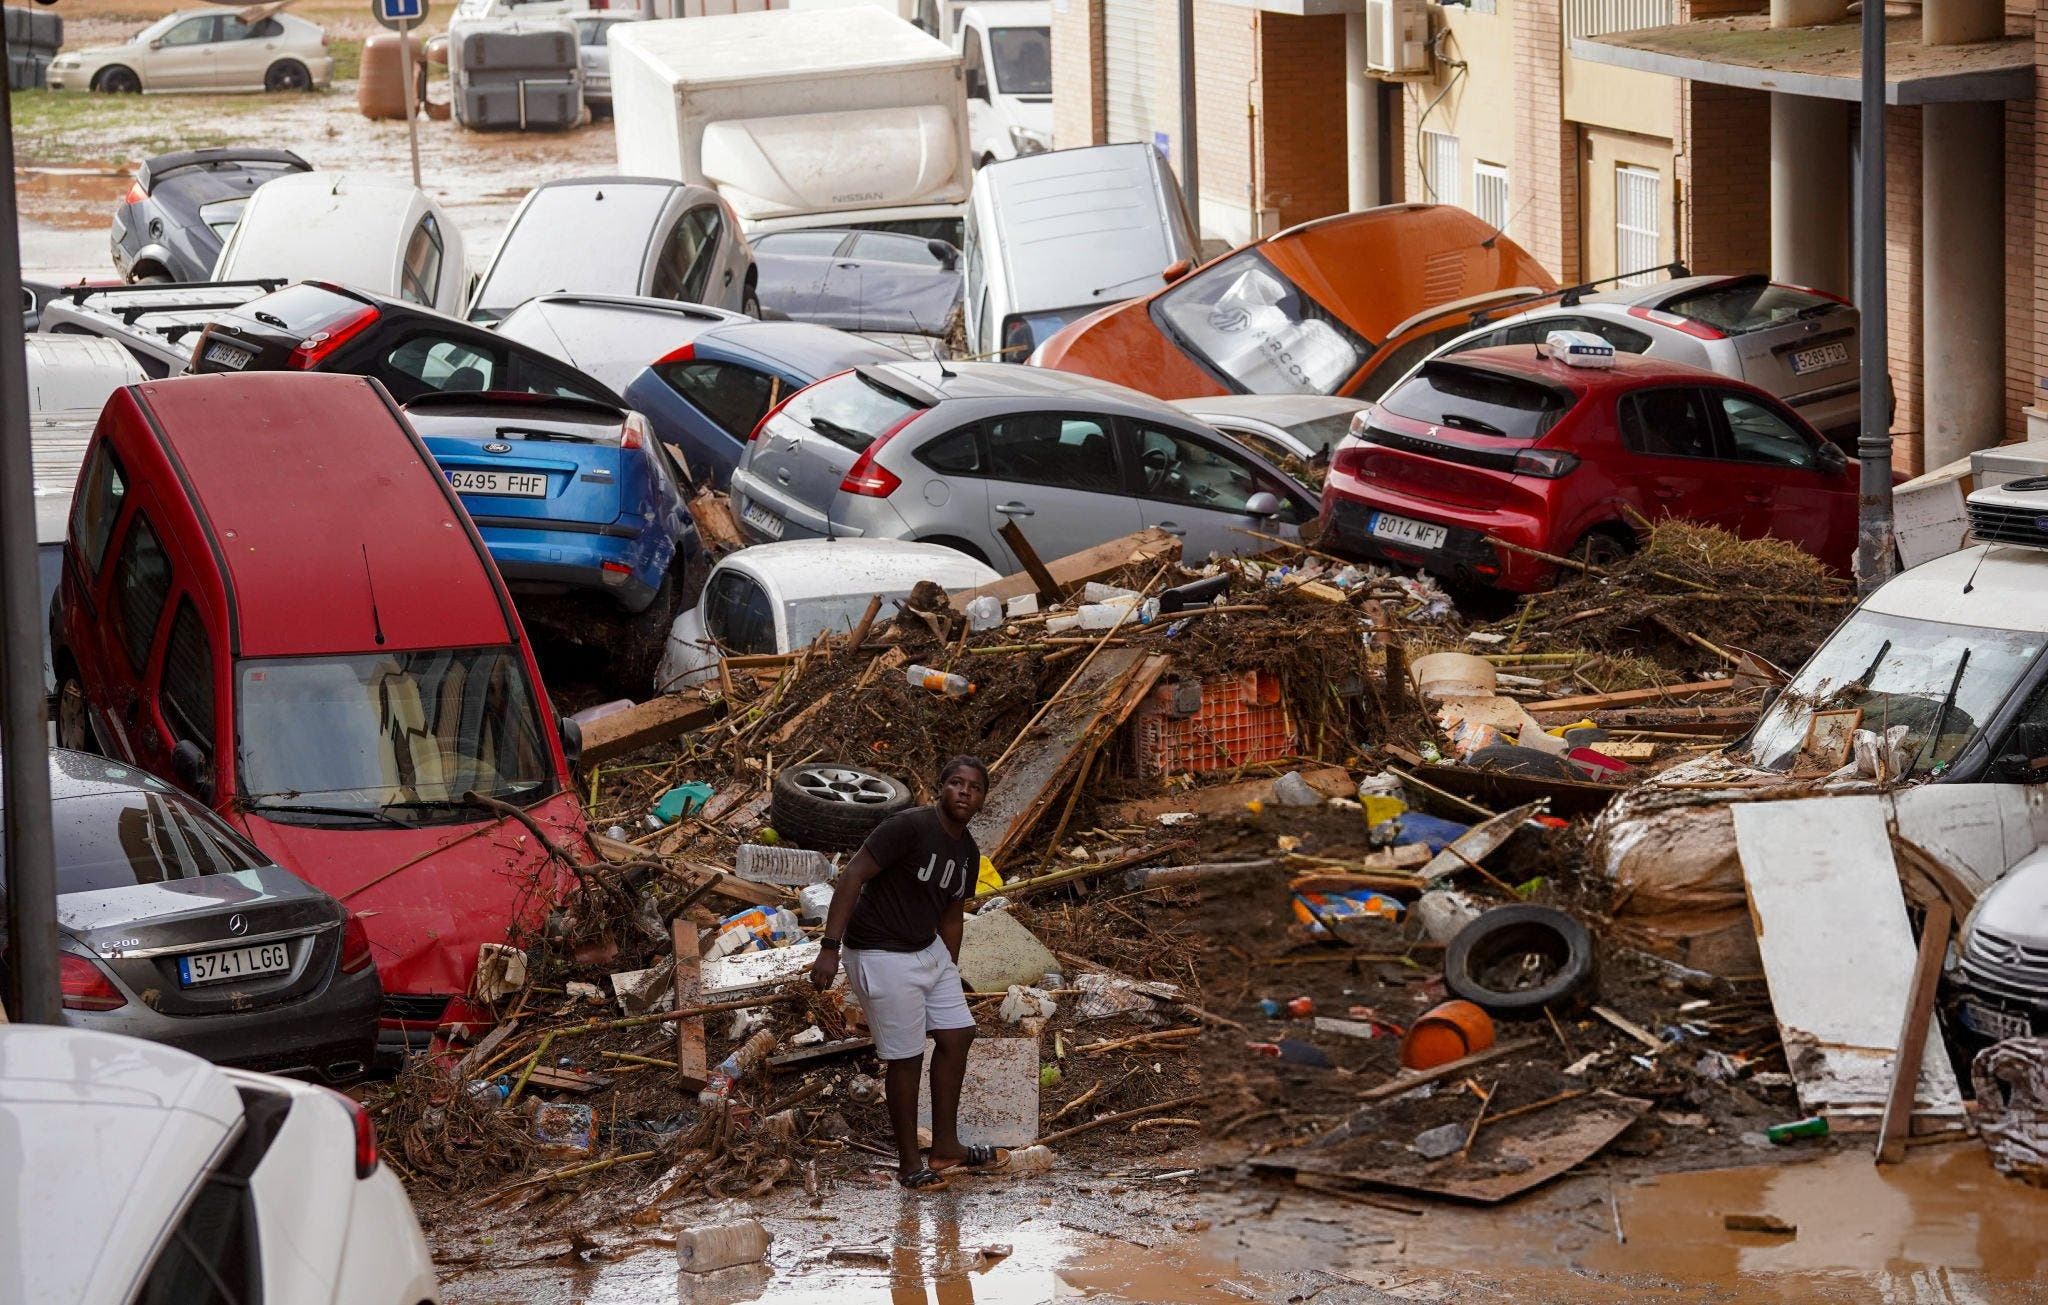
[1570, 296]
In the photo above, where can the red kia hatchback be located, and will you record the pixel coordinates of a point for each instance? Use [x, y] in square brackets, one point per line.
[273, 598]
[1562, 456]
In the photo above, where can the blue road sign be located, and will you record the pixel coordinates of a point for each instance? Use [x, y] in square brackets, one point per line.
[401, 11]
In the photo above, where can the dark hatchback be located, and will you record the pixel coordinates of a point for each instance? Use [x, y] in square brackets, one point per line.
[318, 327]
[181, 207]
[174, 928]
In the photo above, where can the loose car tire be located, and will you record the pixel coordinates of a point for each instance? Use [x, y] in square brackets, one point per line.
[287, 75]
[831, 808]
[117, 80]
[1483, 964]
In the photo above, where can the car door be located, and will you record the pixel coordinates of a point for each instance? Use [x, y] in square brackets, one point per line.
[1199, 490]
[1056, 475]
[184, 56]
[725, 401]
[682, 269]
[183, 685]
[244, 52]
[1791, 487]
[135, 593]
[984, 125]
[1674, 462]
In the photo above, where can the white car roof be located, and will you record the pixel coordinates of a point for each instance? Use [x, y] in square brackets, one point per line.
[327, 226]
[1992, 586]
[107, 1137]
[1280, 409]
[797, 570]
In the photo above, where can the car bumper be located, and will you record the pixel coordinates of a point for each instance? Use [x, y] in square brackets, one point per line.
[67, 79]
[563, 561]
[330, 1035]
[1348, 508]
[757, 505]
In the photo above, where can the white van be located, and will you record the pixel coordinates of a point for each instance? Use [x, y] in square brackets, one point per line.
[1052, 237]
[379, 234]
[76, 371]
[1006, 54]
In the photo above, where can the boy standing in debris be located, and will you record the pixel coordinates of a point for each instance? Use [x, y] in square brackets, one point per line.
[897, 912]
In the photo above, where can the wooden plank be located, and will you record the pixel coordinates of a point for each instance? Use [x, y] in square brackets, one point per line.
[655, 721]
[1630, 697]
[692, 1065]
[1075, 569]
[1227, 799]
[1838, 953]
[1406, 1080]
[1898, 1104]
[1027, 557]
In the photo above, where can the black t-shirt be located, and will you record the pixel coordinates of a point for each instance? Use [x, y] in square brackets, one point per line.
[924, 870]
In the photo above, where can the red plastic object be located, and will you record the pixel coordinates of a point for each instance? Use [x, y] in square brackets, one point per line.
[1444, 1033]
[1301, 1008]
[1242, 721]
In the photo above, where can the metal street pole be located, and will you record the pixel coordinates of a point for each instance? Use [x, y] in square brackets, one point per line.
[1190, 169]
[412, 109]
[1874, 439]
[31, 884]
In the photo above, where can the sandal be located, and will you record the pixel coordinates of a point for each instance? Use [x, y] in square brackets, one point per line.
[979, 1159]
[926, 1179]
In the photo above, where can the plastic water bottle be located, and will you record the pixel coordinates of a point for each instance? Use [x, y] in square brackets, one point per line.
[984, 613]
[721, 1246]
[1101, 616]
[719, 1084]
[1030, 1160]
[924, 677]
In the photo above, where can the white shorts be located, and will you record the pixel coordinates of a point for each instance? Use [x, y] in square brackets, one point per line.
[906, 995]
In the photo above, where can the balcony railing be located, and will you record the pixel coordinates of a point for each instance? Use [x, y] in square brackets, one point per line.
[1599, 17]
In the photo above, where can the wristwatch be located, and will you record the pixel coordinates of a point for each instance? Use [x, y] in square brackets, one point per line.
[829, 944]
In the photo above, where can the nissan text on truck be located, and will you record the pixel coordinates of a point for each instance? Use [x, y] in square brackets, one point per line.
[799, 118]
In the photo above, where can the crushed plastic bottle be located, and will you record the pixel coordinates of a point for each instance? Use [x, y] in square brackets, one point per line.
[718, 1086]
[924, 677]
[984, 613]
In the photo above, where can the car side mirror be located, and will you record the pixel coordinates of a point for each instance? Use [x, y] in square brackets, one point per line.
[572, 739]
[949, 257]
[1262, 504]
[1831, 458]
[157, 44]
[1175, 270]
[188, 766]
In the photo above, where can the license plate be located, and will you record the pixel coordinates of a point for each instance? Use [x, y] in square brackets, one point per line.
[1385, 525]
[1821, 356]
[235, 963]
[227, 355]
[1993, 1022]
[504, 484]
[761, 519]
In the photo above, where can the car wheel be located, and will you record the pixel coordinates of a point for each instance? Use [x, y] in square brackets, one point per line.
[117, 80]
[74, 726]
[1599, 548]
[750, 304]
[287, 75]
[154, 276]
[1520, 960]
[832, 808]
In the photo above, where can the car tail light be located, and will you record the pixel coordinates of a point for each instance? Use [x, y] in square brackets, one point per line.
[1699, 330]
[1547, 463]
[86, 986]
[136, 194]
[682, 355]
[320, 344]
[355, 945]
[636, 435]
[867, 479]
[366, 1134]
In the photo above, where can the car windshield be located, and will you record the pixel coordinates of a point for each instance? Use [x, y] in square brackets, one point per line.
[590, 239]
[1254, 327]
[1474, 399]
[1739, 307]
[159, 27]
[850, 410]
[1023, 59]
[1899, 670]
[118, 838]
[388, 735]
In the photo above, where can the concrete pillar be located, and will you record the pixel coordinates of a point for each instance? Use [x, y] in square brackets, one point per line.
[1810, 192]
[1361, 120]
[1808, 13]
[1957, 22]
[1962, 270]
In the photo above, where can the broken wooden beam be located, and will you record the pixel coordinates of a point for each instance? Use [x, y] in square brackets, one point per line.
[1630, 697]
[1898, 1106]
[1027, 557]
[644, 724]
[1152, 546]
[692, 1063]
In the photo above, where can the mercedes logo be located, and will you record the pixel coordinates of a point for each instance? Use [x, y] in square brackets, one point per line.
[238, 925]
[497, 448]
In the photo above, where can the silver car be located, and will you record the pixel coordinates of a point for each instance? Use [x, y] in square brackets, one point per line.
[594, 52]
[950, 453]
[620, 236]
[1280, 426]
[174, 928]
[1799, 344]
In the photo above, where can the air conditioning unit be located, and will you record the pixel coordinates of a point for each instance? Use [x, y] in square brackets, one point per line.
[1397, 37]
[2011, 505]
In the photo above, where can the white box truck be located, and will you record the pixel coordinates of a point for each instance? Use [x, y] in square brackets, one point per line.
[799, 118]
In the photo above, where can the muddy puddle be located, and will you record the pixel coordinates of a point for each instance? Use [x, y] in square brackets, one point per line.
[1941, 1228]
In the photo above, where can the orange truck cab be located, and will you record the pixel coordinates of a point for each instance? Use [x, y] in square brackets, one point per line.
[272, 597]
[1341, 305]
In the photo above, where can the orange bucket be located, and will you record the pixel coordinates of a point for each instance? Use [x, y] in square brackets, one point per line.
[1443, 1033]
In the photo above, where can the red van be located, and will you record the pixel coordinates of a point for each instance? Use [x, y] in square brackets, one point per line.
[273, 598]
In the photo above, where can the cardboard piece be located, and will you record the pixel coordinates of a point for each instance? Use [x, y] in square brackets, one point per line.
[996, 951]
[999, 1100]
[1838, 954]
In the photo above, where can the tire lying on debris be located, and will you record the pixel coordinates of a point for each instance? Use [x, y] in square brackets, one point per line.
[830, 808]
[1519, 960]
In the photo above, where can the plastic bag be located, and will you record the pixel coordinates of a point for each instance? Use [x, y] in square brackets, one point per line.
[1021, 1003]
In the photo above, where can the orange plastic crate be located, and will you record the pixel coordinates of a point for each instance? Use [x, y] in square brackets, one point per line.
[1242, 720]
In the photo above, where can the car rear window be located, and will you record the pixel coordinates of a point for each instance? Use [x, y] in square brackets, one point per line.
[304, 308]
[123, 837]
[851, 410]
[1472, 399]
[1739, 307]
